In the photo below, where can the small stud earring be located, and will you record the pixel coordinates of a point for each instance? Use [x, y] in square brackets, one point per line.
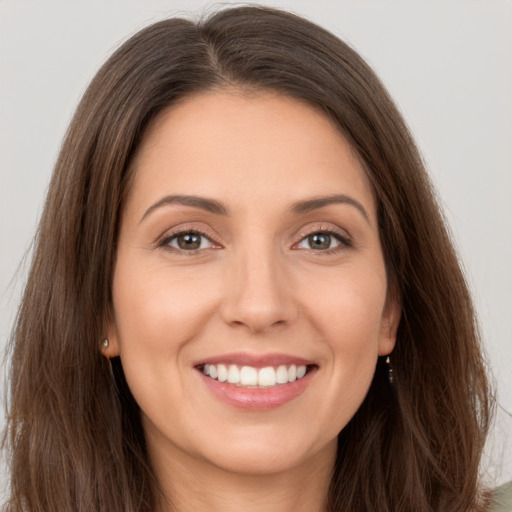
[391, 374]
[105, 345]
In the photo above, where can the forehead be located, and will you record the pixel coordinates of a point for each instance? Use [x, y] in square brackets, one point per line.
[238, 146]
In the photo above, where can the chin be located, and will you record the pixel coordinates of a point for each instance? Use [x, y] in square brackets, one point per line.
[258, 463]
[267, 454]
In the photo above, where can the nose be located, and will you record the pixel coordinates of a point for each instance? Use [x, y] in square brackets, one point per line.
[258, 293]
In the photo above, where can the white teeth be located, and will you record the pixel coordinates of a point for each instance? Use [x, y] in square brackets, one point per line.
[267, 376]
[249, 376]
[233, 374]
[282, 375]
[222, 373]
[301, 371]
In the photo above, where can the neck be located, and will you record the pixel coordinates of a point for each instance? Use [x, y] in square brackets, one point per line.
[192, 485]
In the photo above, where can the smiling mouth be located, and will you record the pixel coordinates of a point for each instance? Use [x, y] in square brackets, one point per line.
[255, 378]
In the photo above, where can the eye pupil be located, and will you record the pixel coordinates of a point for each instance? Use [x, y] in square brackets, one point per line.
[319, 241]
[189, 241]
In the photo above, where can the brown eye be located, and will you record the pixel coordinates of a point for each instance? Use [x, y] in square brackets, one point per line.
[188, 241]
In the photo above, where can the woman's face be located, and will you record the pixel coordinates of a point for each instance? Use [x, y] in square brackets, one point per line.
[248, 250]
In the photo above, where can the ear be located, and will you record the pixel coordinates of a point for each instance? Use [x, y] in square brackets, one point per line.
[110, 349]
[389, 323]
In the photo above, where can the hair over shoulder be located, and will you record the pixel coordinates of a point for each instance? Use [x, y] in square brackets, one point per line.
[74, 433]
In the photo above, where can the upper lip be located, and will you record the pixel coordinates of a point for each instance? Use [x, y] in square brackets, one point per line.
[255, 360]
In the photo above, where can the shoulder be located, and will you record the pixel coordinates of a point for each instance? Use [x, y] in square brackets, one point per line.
[502, 499]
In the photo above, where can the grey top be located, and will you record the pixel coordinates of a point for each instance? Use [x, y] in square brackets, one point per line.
[502, 499]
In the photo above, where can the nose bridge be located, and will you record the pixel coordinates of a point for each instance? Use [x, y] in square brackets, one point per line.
[258, 293]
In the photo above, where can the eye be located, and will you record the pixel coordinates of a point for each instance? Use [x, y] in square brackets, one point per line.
[188, 241]
[322, 241]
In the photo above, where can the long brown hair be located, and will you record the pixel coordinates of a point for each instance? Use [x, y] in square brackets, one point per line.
[74, 432]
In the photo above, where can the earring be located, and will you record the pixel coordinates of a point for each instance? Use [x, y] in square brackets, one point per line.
[391, 373]
[105, 345]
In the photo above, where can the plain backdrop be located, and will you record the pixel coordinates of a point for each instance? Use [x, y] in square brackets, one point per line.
[448, 64]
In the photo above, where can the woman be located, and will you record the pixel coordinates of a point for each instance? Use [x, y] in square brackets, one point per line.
[243, 293]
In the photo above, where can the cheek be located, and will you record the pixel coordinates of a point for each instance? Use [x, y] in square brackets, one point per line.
[159, 313]
[158, 306]
[353, 336]
[347, 308]
[347, 315]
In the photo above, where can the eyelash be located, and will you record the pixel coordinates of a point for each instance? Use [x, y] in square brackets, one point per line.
[165, 242]
[344, 241]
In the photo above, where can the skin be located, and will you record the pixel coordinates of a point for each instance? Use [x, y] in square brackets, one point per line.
[255, 285]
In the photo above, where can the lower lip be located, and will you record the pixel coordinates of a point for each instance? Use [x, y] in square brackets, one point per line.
[263, 399]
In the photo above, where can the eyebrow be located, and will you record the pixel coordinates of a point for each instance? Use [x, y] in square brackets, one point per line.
[209, 205]
[213, 206]
[321, 202]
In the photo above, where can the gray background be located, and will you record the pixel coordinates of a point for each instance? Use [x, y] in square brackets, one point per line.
[447, 64]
